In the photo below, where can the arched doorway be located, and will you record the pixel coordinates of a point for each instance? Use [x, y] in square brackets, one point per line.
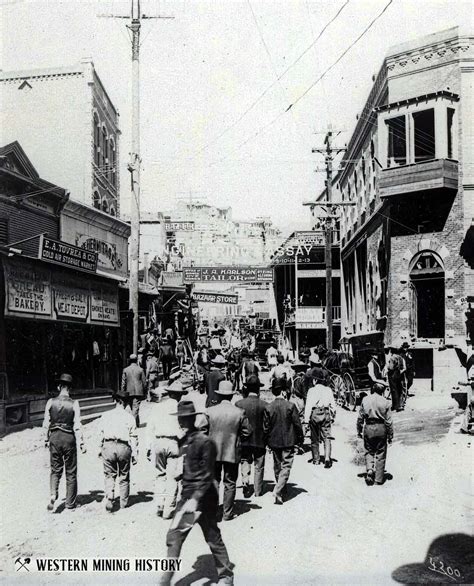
[427, 296]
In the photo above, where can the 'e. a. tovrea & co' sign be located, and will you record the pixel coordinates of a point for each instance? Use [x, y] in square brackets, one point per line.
[68, 255]
[229, 274]
[216, 297]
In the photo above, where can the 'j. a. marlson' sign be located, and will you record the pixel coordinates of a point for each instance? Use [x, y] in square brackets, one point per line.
[106, 251]
[65, 254]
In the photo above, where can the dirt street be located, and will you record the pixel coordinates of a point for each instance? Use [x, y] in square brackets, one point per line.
[331, 529]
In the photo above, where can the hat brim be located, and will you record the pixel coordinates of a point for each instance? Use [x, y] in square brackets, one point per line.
[418, 574]
[224, 392]
[188, 414]
[177, 391]
[252, 385]
[64, 382]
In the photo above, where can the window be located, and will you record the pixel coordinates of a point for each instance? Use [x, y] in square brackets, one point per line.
[450, 133]
[105, 206]
[96, 199]
[427, 296]
[96, 140]
[112, 163]
[424, 135]
[3, 230]
[104, 149]
[397, 148]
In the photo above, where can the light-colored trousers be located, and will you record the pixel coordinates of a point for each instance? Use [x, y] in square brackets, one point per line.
[166, 462]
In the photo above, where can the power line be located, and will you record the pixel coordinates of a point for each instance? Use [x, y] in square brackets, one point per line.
[268, 88]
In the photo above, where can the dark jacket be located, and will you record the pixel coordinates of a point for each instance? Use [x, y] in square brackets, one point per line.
[228, 426]
[133, 381]
[199, 453]
[254, 408]
[211, 384]
[281, 424]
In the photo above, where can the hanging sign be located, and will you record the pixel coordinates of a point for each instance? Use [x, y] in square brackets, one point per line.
[65, 254]
[104, 305]
[216, 297]
[227, 274]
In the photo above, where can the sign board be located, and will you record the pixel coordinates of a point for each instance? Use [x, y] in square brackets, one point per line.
[310, 317]
[216, 297]
[311, 237]
[65, 254]
[33, 291]
[227, 274]
[180, 226]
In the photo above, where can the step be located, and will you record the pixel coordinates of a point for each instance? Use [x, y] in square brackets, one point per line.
[96, 400]
[96, 408]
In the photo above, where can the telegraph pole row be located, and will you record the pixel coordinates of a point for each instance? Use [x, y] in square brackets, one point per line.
[134, 165]
[331, 214]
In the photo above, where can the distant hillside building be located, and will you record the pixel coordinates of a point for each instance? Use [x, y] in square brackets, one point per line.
[65, 120]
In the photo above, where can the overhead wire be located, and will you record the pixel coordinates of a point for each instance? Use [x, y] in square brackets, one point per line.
[301, 96]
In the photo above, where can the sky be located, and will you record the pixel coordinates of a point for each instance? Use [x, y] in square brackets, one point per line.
[217, 81]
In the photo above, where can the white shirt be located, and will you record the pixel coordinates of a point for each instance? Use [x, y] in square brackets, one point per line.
[118, 424]
[162, 422]
[318, 396]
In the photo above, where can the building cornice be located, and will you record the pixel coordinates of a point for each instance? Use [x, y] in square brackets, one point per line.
[97, 218]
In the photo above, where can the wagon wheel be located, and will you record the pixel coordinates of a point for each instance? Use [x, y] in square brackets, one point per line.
[337, 385]
[350, 392]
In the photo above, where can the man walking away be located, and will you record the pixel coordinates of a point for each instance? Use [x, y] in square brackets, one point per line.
[118, 448]
[62, 422]
[248, 367]
[253, 446]
[133, 386]
[228, 426]
[163, 433]
[152, 370]
[213, 378]
[375, 419]
[199, 497]
[166, 356]
[282, 431]
[320, 411]
[271, 355]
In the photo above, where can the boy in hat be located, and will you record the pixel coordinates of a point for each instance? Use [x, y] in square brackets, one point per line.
[375, 419]
[199, 496]
[213, 378]
[118, 448]
[163, 436]
[253, 446]
[228, 426]
[62, 422]
[282, 431]
[132, 389]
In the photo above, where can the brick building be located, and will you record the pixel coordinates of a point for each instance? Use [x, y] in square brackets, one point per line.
[65, 120]
[410, 173]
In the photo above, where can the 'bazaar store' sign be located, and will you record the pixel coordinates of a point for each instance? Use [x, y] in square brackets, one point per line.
[36, 292]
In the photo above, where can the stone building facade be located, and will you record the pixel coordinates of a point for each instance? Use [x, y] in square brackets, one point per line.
[66, 121]
[410, 174]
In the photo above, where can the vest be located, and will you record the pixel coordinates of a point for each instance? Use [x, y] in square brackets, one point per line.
[61, 414]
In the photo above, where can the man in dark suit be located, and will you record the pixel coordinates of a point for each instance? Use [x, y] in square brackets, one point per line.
[228, 425]
[253, 447]
[213, 378]
[282, 430]
[133, 386]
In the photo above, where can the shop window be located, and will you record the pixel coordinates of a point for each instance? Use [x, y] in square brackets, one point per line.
[427, 296]
[424, 135]
[397, 147]
[450, 133]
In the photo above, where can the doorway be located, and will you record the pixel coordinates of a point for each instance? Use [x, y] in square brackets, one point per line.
[427, 296]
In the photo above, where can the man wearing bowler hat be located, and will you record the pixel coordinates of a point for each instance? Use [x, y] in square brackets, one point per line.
[163, 436]
[213, 378]
[62, 422]
[118, 449]
[282, 431]
[132, 389]
[253, 446]
[199, 496]
[228, 426]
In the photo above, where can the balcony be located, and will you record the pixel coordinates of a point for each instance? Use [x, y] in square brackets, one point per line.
[436, 174]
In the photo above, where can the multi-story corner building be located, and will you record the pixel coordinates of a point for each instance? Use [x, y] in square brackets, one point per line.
[67, 123]
[410, 173]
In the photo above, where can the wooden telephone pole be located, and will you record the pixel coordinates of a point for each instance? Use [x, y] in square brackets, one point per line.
[331, 214]
[134, 25]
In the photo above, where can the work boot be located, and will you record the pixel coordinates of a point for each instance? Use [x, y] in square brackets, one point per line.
[109, 505]
[52, 500]
[247, 491]
[316, 459]
[328, 464]
[369, 478]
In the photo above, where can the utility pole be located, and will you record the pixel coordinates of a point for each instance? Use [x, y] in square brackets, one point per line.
[134, 25]
[331, 214]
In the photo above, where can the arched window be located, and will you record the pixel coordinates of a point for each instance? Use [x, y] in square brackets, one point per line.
[427, 296]
[96, 139]
[96, 199]
[112, 161]
[104, 149]
[112, 211]
[105, 206]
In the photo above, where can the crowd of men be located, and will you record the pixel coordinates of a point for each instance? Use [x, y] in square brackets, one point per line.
[202, 429]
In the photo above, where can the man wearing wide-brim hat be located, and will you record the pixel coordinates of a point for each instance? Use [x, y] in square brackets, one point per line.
[228, 426]
[213, 378]
[253, 446]
[163, 434]
[62, 422]
[132, 388]
[199, 496]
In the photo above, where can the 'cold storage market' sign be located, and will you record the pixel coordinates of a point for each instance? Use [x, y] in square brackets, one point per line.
[227, 274]
[66, 254]
[216, 298]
